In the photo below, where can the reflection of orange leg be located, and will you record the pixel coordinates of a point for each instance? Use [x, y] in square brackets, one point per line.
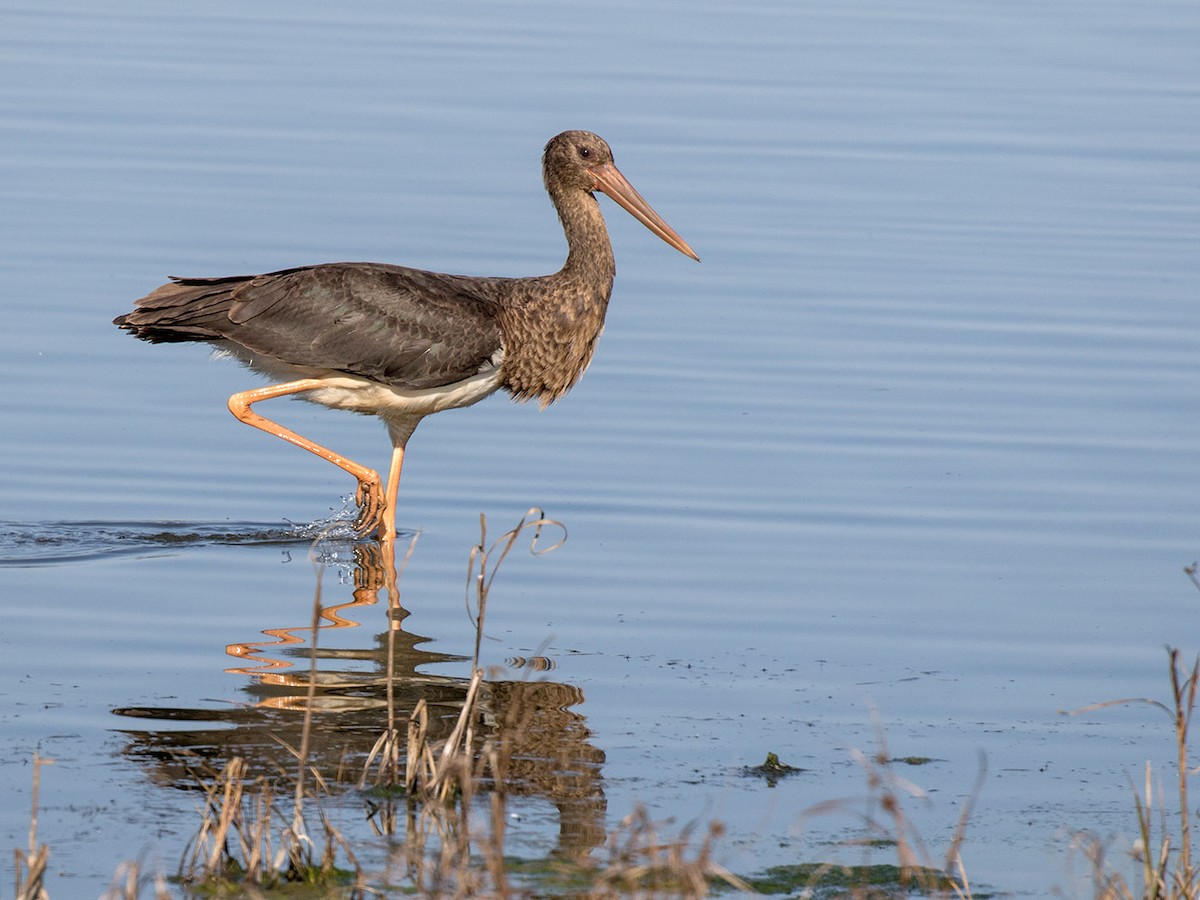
[372, 512]
[373, 569]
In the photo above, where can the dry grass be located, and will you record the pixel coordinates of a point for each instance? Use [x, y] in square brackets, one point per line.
[1162, 855]
[640, 863]
[247, 837]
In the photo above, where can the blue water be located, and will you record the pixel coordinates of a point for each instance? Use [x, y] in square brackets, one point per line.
[918, 435]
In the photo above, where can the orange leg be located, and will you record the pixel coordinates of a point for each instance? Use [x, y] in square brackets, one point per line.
[387, 528]
[373, 513]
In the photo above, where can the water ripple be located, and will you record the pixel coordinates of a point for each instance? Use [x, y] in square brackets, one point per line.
[55, 543]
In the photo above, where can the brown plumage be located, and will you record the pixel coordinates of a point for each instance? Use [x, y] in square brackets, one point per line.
[403, 343]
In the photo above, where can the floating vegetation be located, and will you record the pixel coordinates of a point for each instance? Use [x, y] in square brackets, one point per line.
[771, 770]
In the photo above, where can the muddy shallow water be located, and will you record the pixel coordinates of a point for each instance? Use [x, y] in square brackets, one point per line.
[916, 437]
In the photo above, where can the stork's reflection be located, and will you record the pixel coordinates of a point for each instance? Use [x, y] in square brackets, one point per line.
[354, 695]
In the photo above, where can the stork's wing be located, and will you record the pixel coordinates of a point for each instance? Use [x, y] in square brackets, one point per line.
[396, 325]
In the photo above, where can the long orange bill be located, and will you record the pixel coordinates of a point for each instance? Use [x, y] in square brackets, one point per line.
[610, 180]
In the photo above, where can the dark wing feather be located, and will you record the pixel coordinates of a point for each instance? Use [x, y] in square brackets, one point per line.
[388, 323]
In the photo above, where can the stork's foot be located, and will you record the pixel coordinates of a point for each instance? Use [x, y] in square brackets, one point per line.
[372, 510]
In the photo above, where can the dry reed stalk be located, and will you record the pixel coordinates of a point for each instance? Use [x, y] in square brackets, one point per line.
[454, 760]
[481, 554]
[1184, 696]
[1166, 870]
[385, 756]
[419, 764]
[498, 824]
[31, 864]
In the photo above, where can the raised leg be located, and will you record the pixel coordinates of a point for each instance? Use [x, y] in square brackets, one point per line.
[373, 512]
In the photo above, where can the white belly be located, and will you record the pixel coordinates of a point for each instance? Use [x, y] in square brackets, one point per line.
[371, 397]
[362, 395]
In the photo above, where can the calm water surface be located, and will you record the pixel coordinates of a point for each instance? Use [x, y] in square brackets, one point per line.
[918, 436]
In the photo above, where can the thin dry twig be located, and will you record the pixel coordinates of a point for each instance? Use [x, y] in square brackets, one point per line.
[481, 557]
[31, 865]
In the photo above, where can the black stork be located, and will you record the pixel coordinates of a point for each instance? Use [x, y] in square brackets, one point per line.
[402, 343]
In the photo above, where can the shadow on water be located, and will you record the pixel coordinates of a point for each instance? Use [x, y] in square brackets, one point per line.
[55, 543]
[355, 694]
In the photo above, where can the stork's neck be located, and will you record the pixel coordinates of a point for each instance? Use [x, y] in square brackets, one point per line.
[590, 260]
[551, 323]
